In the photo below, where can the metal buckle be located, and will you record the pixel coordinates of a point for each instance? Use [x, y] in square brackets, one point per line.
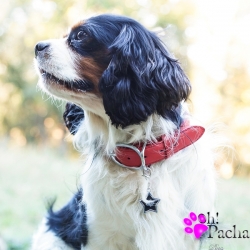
[140, 154]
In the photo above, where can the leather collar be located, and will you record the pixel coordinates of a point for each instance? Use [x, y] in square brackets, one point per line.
[138, 155]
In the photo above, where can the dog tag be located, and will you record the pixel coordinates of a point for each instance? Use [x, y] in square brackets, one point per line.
[150, 204]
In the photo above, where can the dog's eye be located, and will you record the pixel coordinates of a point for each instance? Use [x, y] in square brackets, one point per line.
[81, 35]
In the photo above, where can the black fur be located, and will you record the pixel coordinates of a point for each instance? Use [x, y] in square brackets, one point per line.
[141, 77]
[73, 115]
[69, 223]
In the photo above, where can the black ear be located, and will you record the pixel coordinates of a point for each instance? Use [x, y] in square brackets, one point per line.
[73, 115]
[141, 78]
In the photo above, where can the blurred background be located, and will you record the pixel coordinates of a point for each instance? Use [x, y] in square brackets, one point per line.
[209, 37]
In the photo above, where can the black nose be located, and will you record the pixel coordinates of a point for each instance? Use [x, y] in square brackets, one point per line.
[40, 47]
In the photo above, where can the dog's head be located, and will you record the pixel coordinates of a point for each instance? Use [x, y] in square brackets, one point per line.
[112, 64]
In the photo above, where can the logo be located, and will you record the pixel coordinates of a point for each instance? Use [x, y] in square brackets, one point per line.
[198, 225]
[197, 228]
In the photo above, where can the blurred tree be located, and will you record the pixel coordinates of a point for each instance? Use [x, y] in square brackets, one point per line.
[23, 112]
[216, 46]
[219, 54]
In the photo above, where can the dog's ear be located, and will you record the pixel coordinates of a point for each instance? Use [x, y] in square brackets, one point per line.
[73, 116]
[171, 82]
[141, 78]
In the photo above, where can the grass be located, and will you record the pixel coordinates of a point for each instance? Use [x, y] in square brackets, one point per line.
[31, 175]
[28, 178]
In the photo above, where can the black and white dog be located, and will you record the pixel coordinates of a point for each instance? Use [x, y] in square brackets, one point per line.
[147, 166]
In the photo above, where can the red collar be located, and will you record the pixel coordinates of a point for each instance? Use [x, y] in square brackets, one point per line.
[131, 156]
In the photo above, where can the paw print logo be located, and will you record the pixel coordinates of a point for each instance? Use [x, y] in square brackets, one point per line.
[199, 228]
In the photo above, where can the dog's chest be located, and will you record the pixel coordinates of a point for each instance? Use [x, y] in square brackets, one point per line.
[114, 196]
[114, 213]
[115, 217]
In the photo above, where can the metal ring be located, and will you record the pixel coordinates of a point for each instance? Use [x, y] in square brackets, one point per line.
[140, 154]
[146, 172]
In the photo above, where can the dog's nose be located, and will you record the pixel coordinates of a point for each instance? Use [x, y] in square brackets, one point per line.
[40, 47]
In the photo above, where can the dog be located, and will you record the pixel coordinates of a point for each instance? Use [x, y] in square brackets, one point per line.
[148, 163]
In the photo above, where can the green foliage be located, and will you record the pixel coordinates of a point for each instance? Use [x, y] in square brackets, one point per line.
[181, 24]
[28, 116]
[23, 24]
[21, 104]
[25, 186]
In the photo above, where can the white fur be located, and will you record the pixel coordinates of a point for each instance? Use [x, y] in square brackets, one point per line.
[185, 182]
[46, 240]
[59, 60]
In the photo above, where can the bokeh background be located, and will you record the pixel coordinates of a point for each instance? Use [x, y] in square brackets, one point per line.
[211, 38]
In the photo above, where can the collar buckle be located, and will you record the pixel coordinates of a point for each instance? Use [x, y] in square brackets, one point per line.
[135, 149]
